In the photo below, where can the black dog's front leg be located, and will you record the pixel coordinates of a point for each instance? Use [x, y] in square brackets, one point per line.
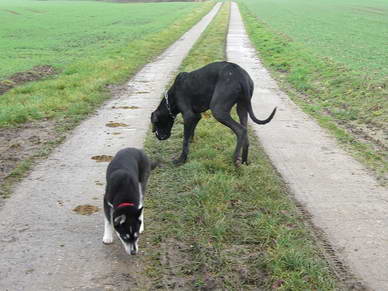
[190, 122]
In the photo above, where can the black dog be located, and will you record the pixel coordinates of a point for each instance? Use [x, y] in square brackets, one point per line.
[218, 86]
[126, 180]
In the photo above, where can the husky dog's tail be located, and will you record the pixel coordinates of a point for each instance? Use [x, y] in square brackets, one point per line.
[155, 164]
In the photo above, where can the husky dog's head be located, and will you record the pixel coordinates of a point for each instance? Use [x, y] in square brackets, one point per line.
[127, 221]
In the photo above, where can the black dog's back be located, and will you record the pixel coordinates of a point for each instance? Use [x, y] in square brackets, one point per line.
[129, 167]
[199, 85]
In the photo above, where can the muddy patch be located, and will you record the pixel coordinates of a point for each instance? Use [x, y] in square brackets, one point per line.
[116, 124]
[36, 73]
[125, 107]
[102, 158]
[176, 261]
[86, 209]
[181, 273]
[11, 11]
[35, 11]
[23, 143]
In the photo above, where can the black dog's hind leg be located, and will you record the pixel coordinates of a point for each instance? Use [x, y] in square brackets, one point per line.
[243, 115]
[222, 114]
[190, 122]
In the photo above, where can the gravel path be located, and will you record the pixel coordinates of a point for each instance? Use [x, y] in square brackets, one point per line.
[345, 201]
[44, 244]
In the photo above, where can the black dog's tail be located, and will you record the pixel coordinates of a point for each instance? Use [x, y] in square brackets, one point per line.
[258, 121]
[247, 88]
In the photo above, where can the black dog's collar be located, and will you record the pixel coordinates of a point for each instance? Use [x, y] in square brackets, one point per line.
[168, 105]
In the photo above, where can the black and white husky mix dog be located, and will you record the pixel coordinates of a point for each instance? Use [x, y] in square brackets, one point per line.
[126, 178]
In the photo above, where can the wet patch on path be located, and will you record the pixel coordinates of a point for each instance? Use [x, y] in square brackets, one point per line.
[116, 124]
[86, 209]
[125, 107]
[102, 158]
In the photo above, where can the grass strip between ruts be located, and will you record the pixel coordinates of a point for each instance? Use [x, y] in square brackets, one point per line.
[210, 224]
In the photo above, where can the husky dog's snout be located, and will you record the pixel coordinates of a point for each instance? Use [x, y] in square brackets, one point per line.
[131, 248]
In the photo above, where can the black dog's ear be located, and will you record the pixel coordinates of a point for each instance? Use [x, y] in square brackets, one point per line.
[154, 117]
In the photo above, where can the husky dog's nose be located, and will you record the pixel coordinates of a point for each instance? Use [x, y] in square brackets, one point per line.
[133, 252]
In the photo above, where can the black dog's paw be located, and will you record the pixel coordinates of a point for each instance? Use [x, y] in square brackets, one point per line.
[179, 161]
[238, 163]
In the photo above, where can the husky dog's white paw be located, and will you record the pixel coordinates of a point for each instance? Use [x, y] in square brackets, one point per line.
[107, 239]
[108, 233]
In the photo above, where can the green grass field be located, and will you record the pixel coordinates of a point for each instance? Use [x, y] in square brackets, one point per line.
[331, 57]
[352, 32]
[80, 86]
[61, 32]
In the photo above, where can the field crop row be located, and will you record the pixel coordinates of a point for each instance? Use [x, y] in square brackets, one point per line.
[58, 33]
[352, 32]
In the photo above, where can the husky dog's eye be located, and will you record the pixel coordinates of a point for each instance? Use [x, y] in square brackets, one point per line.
[135, 234]
[126, 236]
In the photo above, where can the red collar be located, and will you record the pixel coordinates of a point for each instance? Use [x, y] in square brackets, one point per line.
[125, 204]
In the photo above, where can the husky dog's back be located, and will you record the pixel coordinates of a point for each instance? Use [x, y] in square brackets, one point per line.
[126, 180]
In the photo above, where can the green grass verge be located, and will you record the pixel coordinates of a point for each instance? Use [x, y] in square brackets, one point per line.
[80, 87]
[239, 227]
[342, 100]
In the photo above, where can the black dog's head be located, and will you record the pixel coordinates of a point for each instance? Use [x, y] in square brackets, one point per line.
[127, 222]
[163, 117]
[162, 123]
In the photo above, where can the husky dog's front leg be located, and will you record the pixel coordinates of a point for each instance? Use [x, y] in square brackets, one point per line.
[142, 221]
[108, 232]
[190, 122]
[141, 199]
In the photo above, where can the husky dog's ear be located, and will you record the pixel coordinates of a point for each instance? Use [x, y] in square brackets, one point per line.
[120, 219]
[154, 117]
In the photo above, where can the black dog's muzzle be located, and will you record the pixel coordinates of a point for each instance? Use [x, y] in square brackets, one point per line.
[161, 137]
